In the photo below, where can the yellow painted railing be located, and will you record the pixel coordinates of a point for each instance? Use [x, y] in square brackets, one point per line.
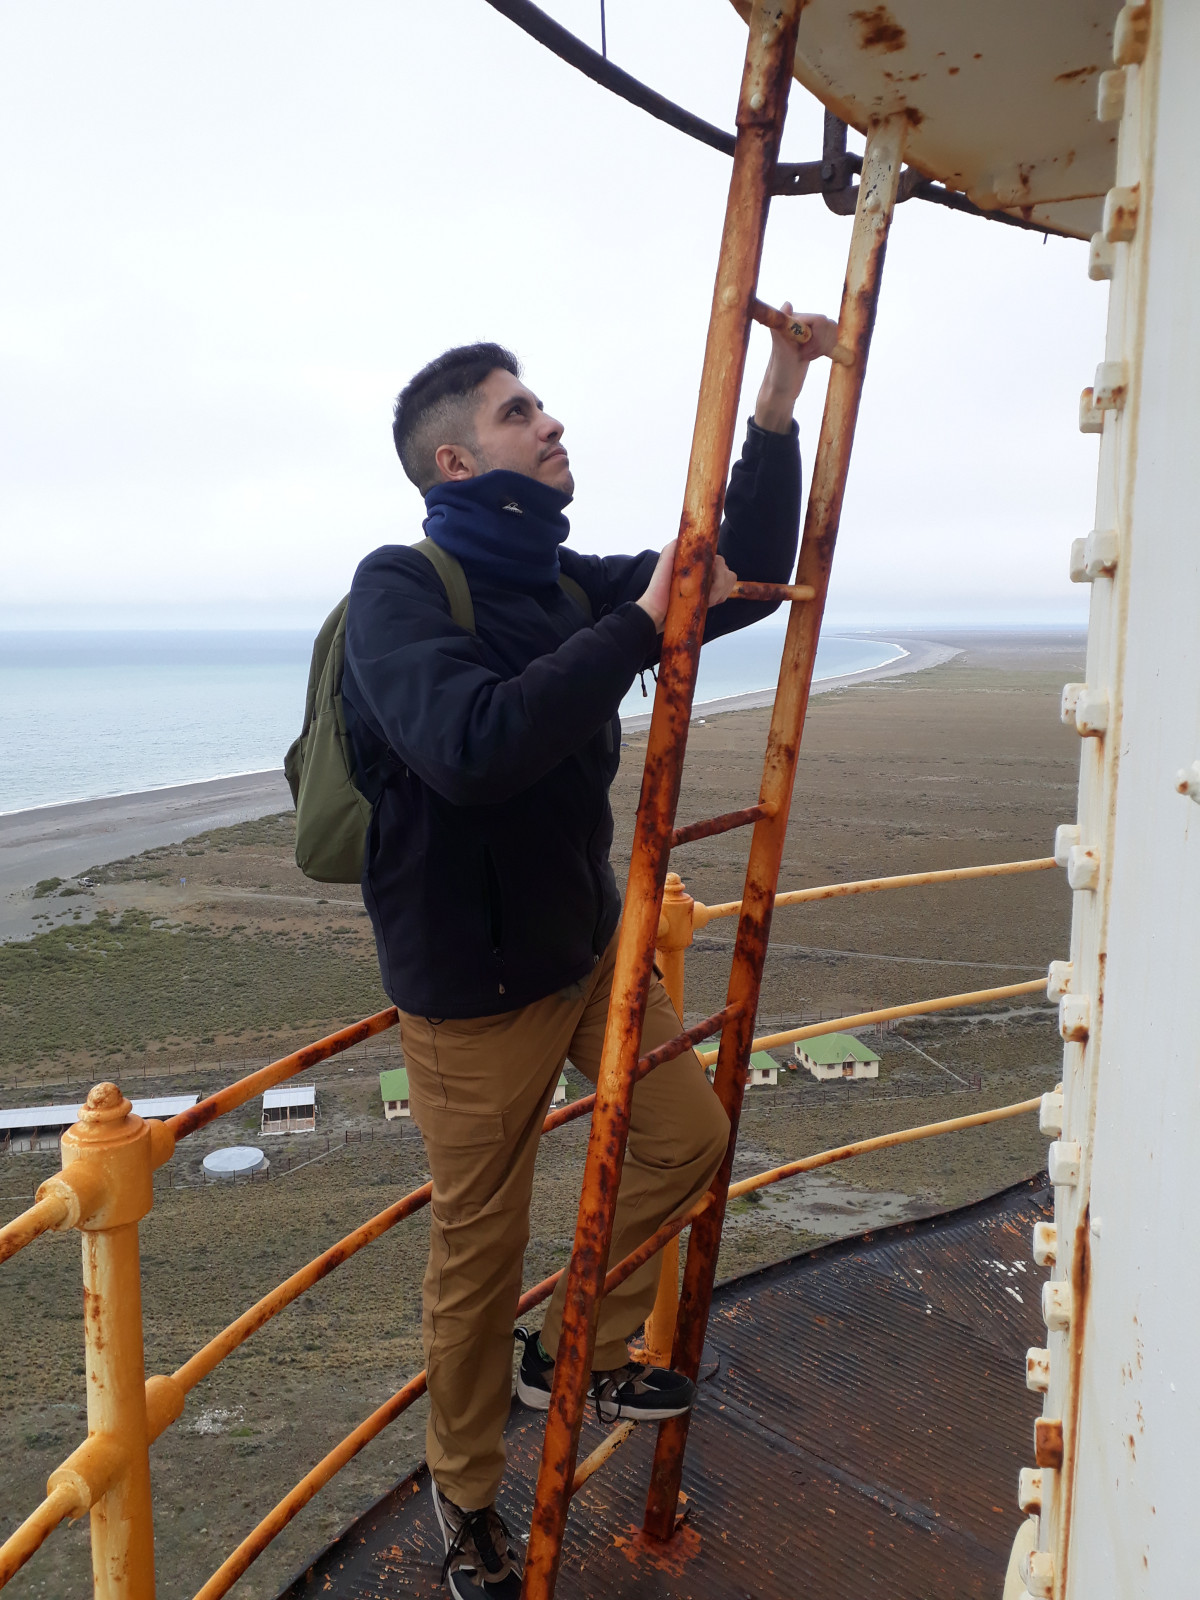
[105, 1188]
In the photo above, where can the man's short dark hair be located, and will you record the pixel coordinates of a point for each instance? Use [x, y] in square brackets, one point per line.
[434, 408]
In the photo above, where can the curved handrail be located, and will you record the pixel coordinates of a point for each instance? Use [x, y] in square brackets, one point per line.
[883, 1141]
[222, 1344]
[915, 1008]
[255, 1542]
[165, 1395]
[41, 1522]
[41, 1217]
[703, 914]
[236, 1094]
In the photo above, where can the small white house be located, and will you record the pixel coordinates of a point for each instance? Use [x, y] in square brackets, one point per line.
[393, 1087]
[292, 1109]
[836, 1055]
[764, 1069]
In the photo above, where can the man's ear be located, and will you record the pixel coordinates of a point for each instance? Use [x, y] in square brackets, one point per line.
[455, 462]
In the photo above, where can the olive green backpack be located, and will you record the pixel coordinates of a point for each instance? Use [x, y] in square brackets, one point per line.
[332, 813]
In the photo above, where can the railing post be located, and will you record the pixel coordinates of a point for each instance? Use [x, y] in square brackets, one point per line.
[674, 936]
[868, 243]
[762, 105]
[118, 1148]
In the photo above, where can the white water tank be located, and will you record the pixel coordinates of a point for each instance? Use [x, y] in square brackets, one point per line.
[234, 1161]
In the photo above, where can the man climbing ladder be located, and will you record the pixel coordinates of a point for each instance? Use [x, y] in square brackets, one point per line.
[487, 752]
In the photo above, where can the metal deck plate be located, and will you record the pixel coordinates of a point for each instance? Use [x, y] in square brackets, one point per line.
[862, 1435]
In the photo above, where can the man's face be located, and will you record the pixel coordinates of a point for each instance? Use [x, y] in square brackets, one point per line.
[514, 434]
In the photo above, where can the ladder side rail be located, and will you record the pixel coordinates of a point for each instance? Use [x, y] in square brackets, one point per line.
[762, 104]
[876, 200]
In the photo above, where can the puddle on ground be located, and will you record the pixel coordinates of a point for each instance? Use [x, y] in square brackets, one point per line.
[823, 1206]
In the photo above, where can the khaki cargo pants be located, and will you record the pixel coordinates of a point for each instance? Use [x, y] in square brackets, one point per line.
[479, 1090]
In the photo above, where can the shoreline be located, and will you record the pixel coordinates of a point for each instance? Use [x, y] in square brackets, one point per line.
[917, 656]
[65, 839]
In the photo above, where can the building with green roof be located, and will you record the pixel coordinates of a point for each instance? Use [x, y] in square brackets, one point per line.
[837, 1055]
[393, 1086]
[764, 1069]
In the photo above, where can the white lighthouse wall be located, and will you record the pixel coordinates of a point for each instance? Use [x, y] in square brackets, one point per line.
[1128, 1378]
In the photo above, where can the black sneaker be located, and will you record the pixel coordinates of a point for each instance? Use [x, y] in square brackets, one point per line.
[481, 1560]
[637, 1393]
[632, 1393]
[535, 1375]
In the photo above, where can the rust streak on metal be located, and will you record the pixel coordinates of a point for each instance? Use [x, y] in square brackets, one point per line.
[651, 1246]
[801, 332]
[1048, 1442]
[761, 108]
[876, 200]
[1081, 1288]
[905, 880]
[668, 1051]
[712, 826]
[883, 1141]
[115, 1151]
[915, 1008]
[236, 1094]
[780, 321]
[770, 593]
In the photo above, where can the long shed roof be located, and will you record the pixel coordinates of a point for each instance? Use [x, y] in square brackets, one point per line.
[295, 1094]
[167, 1105]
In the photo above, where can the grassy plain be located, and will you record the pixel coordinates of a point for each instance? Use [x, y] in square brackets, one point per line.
[172, 986]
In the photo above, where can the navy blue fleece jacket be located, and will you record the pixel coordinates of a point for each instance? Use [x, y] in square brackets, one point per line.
[489, 756]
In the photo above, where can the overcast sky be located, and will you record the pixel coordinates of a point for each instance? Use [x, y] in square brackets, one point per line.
[234, 230]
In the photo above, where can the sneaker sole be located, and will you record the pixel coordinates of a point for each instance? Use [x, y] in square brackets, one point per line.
[536, 1399]
[612, 1412]
[539, 1400]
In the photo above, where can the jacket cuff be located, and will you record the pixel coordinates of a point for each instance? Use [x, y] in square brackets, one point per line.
[638, 624]
[760, 441]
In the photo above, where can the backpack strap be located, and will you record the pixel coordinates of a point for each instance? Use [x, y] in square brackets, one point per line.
[454, 581]
[458, 591]
[576, 591]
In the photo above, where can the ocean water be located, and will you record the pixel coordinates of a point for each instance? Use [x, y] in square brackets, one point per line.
[84, 715]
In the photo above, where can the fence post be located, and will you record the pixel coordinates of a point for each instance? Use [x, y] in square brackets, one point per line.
[119, 1152]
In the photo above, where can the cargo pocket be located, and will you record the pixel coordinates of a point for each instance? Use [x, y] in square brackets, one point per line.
[468, 1157]
[448, 1128]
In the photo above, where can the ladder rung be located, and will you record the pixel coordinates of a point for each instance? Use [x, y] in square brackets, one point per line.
[767, 592]
[711, 826]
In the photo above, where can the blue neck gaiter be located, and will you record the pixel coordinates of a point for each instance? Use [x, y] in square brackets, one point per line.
[503, 525]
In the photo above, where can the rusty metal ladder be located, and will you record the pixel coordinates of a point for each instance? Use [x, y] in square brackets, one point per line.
[762, 107]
